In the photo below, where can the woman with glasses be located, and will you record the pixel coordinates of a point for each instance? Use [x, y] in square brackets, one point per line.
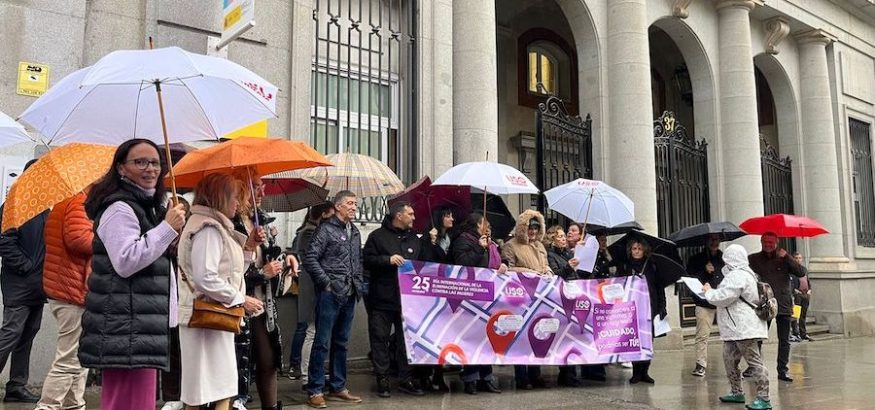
[128, 308]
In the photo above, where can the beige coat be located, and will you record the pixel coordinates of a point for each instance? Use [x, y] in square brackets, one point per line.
[522, 254]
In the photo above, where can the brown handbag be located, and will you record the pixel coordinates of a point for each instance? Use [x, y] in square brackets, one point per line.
[206, 314]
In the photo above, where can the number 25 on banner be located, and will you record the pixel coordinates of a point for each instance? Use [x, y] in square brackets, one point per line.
[421, 283]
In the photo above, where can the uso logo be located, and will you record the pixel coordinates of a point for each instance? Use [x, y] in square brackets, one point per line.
[517, 181]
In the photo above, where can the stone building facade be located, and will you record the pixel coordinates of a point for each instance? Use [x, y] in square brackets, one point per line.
[425, 84]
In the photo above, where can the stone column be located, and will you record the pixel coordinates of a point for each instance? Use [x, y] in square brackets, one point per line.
[739, 138]
[475, 83]
[820, 163]
[301, 40]
[631, 166]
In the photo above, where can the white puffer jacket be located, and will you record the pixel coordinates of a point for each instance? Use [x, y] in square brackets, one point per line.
[737, 320]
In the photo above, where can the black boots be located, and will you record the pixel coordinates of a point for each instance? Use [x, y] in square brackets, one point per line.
[639, 373]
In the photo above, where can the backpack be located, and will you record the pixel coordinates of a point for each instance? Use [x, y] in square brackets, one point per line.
[766, 307]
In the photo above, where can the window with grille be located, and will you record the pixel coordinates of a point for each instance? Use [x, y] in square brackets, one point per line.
[363, 85]
[864, 189]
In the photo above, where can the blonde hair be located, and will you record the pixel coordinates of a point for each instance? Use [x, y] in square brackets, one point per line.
[217, 191]
[550, 236]
[245, 176]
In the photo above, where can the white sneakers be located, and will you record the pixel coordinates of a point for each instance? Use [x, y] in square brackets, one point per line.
[173, 405]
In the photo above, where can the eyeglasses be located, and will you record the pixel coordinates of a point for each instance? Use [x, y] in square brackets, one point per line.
[143, 163]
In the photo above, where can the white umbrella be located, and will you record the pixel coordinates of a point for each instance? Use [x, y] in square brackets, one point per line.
[12, 132]
[491, 177]
[588, 201]
[126, 94]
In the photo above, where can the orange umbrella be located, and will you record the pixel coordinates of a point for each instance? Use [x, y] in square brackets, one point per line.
[60, 174]
[261, 156]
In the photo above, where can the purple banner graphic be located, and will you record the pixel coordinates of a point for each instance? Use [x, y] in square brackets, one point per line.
[464, 315]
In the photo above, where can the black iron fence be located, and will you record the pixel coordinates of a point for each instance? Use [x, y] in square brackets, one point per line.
[563, 150]
[864, 197]
[777, 186]
[682, 195]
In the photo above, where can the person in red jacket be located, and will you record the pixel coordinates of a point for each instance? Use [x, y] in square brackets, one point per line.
[68, 236]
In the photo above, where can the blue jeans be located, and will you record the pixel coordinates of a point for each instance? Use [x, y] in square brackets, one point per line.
[297, 344]
[473, 373]
[526, 373]
[333, 323]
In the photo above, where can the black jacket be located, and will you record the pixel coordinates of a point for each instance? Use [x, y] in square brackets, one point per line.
[383, 292]
[466, 251]
[125, 324]
[696, 269]
[776, 272]
[22, 251]
[335, 259]
[306, 289]
[558, 260]
[656, 290]
[434, 252]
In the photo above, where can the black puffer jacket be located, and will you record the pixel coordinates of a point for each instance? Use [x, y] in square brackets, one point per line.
[558, 259]
[22, 252]
[335, 259]
[696, 269]
[383, 292]
[125, 324]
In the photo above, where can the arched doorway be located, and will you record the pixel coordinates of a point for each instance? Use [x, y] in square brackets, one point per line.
[681, 86]
[542, 128]
[778, 132]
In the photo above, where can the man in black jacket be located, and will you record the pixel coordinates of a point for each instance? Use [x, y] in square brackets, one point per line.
[333, 260]
[774, 266]
[706, 266]
[387, 248]
[21, 279]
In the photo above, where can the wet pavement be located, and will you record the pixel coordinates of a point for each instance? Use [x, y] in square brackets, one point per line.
[833, 374]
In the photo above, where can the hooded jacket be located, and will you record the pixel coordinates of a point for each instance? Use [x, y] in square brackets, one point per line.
[522, 254]
[736, 319]
[383, 291]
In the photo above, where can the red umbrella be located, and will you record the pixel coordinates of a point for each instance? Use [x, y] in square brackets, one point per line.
[425, 198]
[783, 225]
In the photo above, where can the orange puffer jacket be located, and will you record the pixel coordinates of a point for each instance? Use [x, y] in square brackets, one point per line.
[68, 235]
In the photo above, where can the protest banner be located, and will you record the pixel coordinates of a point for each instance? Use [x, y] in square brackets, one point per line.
[465, 315]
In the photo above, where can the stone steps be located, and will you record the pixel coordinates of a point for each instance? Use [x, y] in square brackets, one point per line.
[817, 333]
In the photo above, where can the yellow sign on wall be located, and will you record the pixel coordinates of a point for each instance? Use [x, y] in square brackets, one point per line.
[33, 79]
[256, 129]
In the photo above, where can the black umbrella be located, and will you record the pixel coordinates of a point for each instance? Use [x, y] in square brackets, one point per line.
[501, 219]
[668, 271]
[697, 235]
[614, 230]
[658, 246]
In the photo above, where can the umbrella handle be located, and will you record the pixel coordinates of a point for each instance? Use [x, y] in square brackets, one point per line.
[252, 194]
[166, 142]
[586, 218]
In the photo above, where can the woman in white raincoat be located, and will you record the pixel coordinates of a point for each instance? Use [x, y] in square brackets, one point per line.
[740, 327]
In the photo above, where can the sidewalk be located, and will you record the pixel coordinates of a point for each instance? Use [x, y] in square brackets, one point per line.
[835, 374]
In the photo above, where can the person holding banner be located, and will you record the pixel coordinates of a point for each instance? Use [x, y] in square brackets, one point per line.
[740, 327]
[638, 256]
[525, 253]
[386, 249]
[562, 262]
[473, 246]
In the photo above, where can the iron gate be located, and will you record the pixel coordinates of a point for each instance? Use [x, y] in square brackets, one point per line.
[864, 197]
[363, 86]
[563, 151]
[681, 189]
[777, 186]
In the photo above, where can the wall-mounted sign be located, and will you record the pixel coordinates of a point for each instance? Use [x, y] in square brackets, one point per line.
[33, 79]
